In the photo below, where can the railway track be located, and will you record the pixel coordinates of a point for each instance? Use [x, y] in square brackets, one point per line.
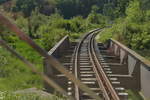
[87, 67]
[104, 69]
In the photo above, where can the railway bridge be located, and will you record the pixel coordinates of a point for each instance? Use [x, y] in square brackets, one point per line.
[86, 69]
[108, 69]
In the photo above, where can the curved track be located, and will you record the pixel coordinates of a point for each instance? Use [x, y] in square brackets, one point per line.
[87, 68]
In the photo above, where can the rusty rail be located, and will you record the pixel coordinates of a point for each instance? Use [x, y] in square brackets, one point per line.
[75, 63]
[108, 90]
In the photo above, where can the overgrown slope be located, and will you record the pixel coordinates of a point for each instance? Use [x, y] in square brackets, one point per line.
[46, 31]
[133, 30]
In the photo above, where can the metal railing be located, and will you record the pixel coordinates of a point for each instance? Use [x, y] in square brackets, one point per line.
[138, 66]
[124, 52]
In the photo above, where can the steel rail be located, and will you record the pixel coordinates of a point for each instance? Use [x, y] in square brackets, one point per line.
[75, 64]
[43, 53]
[100, 83]
[109, 91]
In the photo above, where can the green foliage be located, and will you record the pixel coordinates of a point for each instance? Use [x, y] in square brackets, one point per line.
[37, 20]
[134, 13]
[25, 6]
[15, 71]
[28, 6]
[133, 30]
[137, 30]
[108, 10]
[70, 8]
[97, 19]
[51, 36]
[145, 53]
[134, 95]
[141, 41]
[23, 24]
[115, 31]
[115, 9]
[105, 35]
[46, 29]
[75, 36]
[3, 1]
[67, 7]
[121, 7]
[94, 9]
[77, 24]
[56, 27]
[147, 17]
[145, 4]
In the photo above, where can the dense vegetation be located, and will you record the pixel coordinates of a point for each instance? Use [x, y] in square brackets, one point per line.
[47, 21]
[45, 28]
[132, 29]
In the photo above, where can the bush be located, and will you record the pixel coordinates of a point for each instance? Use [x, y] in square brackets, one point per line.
[77, 24]
[134, 13]
[50, 36]
[115, 31]
[22, 23]
[133, 30]
[12, 69]
[97, 20]
[46, 31]
[74, 36]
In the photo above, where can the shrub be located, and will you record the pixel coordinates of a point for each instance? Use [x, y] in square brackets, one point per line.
[51, 36]
[77, 24]
[97, 19]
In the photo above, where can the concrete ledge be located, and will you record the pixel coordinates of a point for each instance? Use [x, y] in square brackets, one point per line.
[60, 47]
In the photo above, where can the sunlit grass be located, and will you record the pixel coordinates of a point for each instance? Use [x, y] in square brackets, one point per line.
[134, 95]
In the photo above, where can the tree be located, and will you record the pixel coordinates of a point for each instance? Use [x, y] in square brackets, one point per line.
[3, 1]
[134, 12]
[108, 10]
[115, 8]
[70, 8]
[121, 6]
[25, 6]
[28, 6]
[96, 18]
[145, 4]
[67, 8]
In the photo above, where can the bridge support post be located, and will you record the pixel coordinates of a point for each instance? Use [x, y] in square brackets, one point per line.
[58, 51]
[48, 70]
[137, 76]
